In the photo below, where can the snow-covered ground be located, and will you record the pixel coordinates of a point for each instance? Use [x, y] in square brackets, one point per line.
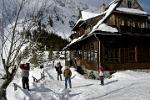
[124, 85]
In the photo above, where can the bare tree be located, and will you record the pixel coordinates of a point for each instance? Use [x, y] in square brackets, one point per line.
[13, 31]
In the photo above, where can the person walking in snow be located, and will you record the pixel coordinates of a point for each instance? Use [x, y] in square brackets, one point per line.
[25, 75]
[101, 74]
[58, 68]
[67, 74]
[53, 63]
[42, 71]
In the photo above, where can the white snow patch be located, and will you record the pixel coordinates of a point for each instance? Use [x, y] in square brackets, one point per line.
[74, 41]
[131, 10]
[124, 85]
[106, 28]
[87, 15]
[108, 12]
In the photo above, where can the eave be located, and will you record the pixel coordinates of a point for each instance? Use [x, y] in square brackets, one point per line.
[125, 13]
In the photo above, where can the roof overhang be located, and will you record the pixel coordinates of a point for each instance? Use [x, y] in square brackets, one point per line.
[113, 39]
[123, 40]
[121, 12]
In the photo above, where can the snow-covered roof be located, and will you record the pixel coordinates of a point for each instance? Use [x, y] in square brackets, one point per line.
[132, 11]
[106, 28]
[85, 15]
[100, 25]
[74, 41]
[113, 2]
[108, 12]
[78, 22]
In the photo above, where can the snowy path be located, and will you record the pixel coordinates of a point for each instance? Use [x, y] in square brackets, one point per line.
[127, 85]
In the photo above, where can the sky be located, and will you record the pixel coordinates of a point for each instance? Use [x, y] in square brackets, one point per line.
[144, 4]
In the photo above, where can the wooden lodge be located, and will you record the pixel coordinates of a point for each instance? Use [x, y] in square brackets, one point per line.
[117, 38]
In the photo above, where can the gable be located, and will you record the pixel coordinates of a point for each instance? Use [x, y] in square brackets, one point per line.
[130, 4]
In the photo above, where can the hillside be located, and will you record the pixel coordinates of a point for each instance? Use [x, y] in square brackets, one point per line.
[58, 16]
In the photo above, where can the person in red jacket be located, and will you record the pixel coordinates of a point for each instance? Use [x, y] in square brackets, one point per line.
[101, 74]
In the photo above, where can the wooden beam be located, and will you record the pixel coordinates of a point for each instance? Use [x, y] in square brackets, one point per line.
[119, 55]
[136, 54]
[98, 54]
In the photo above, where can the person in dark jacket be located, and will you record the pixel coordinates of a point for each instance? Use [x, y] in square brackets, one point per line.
[25, 75]
[58, 68]
[67, 74]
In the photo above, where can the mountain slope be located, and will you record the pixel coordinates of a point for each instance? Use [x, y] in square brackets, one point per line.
[57, 15]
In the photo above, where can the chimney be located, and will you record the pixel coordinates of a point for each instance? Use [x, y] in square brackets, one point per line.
[102, 7]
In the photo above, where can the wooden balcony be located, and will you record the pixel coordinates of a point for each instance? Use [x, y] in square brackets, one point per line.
[129, 29]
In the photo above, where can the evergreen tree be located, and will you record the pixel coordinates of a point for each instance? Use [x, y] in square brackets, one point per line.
[51, 40]
[51, 55]
[34, 57]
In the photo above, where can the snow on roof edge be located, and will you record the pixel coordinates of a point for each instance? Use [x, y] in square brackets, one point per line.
[113, 2]
[84, 19]
[77, 23]
[106, 28]
[87, 15]
[74, 41]
[108, 12]
[131, 10]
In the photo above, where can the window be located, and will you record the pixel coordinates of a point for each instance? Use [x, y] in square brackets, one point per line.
[92, 52]
[129, 55]
[112, 55]
[122, 22]
[129, 3]
[88, 55]
[133, 24]
[85, 55]
[95, 56]
[143, 25]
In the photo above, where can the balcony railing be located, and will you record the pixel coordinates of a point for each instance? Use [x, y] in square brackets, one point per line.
[129, 29]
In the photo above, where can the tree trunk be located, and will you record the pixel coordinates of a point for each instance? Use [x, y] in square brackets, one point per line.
[3, 94]
[5, 84]
[3, 89]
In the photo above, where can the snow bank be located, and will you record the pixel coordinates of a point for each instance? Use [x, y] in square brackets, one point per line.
[129, 75]
[124, 85]
[76, 74]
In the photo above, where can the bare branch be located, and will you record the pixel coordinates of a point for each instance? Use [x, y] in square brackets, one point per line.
[13, 32]
[17, 47]
[17, 51]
